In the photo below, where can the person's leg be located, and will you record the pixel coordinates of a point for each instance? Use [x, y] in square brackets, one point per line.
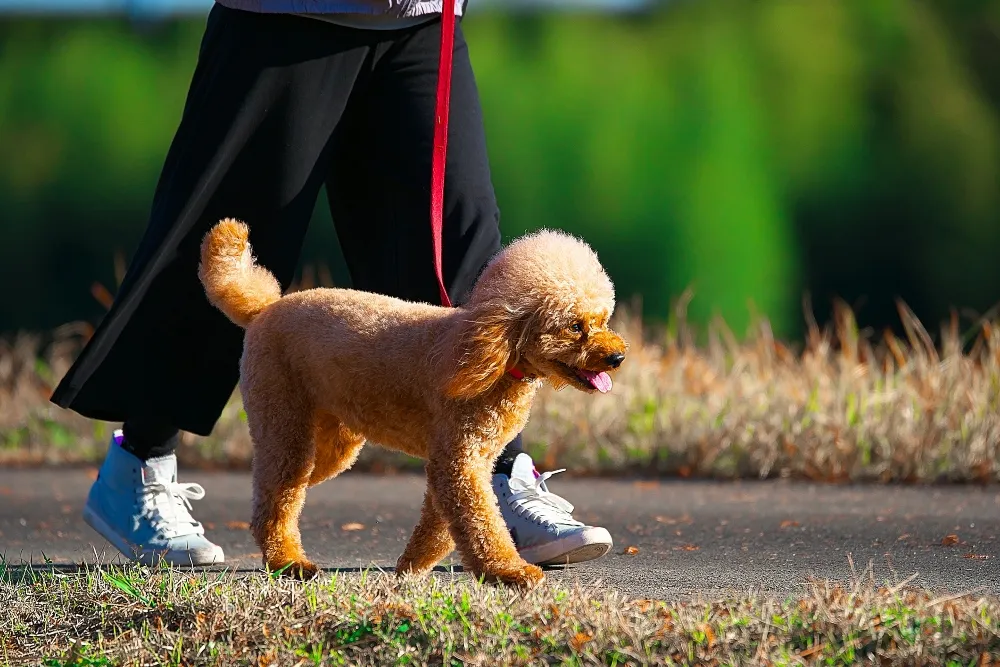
[380, 202]
[250, 145]
[383, 253]
[247, 147]
[505, 462]
[149, 437]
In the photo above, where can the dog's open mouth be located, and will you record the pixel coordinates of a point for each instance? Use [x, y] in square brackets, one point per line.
[598, 380]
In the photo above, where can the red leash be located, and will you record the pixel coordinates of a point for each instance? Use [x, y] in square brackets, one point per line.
[441, 139]
[441, 147]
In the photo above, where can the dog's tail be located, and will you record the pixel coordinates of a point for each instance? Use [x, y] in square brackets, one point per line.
[234, 283]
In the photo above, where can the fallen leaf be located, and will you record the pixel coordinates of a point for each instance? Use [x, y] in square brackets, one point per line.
[902, 537]
[237, 525]
[709, 635]
[975, 556]
[812, 650]
[6, 491]
[644, 604]
[949, 540]
[687, 547]
[665, 627]
[579, 640]
[684, 471]
[353, 526]
[630, 551]
[787, 523]
[644, 484]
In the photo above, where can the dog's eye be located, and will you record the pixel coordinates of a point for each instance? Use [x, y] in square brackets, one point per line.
[576, 327]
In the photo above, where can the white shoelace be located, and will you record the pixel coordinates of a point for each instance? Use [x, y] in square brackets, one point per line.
[539, 504]
[167, 506]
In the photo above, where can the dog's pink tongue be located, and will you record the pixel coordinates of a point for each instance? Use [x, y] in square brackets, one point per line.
[601, 381]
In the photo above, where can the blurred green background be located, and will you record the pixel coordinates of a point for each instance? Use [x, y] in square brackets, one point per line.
[753, 151]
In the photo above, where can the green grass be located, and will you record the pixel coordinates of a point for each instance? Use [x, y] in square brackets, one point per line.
[846, 405]
[103, 615]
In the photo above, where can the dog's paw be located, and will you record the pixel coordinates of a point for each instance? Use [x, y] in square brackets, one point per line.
[302, 570]
[405, 566]
[520, 575]
[529, 577]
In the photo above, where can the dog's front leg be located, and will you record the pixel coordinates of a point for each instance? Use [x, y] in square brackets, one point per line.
[430, 541]
[459, 474]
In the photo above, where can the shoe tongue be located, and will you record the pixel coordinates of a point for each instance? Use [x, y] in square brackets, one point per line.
[162, 469]
[523, 469]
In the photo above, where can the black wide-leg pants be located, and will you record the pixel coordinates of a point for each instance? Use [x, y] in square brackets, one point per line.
[278, 106]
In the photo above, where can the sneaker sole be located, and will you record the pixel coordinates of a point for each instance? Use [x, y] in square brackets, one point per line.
[581, 547]
[215, 557]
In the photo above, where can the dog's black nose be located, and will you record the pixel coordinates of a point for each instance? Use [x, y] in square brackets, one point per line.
[615, 360]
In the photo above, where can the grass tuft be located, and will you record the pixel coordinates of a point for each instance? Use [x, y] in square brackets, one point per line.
[182, 617]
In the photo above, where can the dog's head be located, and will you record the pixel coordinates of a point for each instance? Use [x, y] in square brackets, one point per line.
[541, 306]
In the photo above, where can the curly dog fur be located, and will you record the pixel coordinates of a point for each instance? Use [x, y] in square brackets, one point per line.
[324, 370]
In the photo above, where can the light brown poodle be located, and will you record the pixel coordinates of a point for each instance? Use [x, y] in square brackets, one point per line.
[325, 369]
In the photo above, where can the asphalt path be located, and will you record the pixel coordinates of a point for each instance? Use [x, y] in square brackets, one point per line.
[672, 538]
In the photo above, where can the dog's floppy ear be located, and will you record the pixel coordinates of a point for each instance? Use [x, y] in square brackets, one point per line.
[486, 347]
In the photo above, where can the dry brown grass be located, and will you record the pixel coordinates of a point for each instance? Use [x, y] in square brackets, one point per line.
[131, 615]
[845, 406]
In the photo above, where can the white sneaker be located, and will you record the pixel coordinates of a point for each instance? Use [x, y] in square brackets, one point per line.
[141, 509]
[541, 522]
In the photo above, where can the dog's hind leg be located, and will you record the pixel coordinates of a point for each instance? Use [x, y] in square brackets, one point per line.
[282, 433]
[430, 541]
[336, 449]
